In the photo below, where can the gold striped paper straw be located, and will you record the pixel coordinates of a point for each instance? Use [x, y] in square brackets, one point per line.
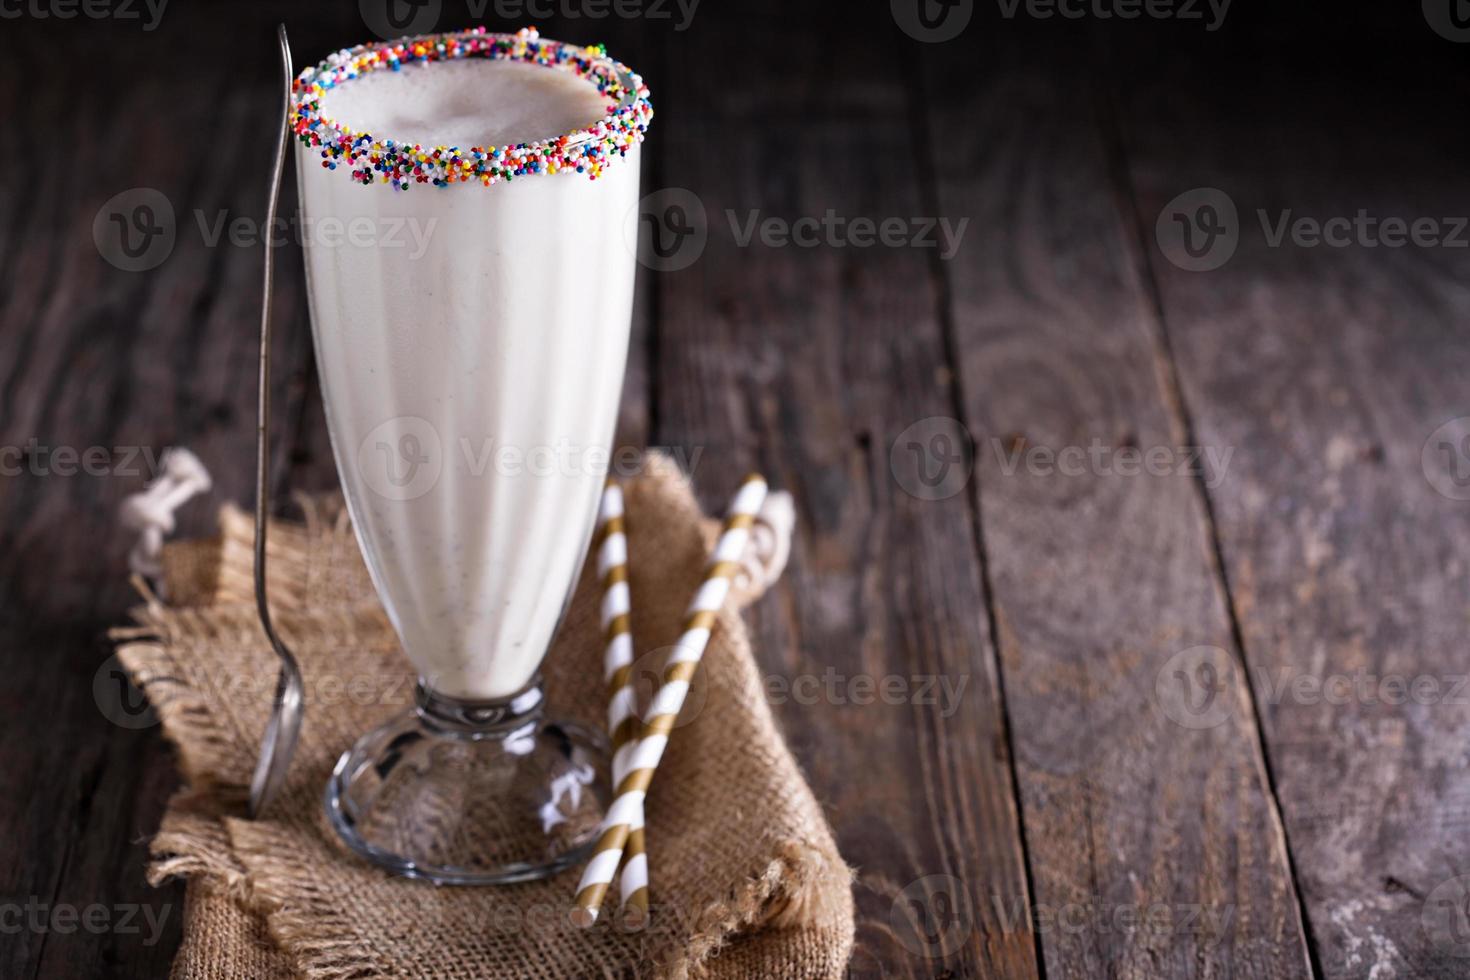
[699, 620]
[622, 705]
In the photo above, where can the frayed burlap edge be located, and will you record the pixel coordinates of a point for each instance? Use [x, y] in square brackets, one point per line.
[787, 894]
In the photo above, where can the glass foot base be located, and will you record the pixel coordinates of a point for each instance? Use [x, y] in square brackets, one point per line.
[472, 793]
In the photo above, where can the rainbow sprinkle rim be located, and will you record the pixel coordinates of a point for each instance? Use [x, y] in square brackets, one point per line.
[585, 151]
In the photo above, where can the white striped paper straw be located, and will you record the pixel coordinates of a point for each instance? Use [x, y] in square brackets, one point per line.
[622, 706]
[699, 620]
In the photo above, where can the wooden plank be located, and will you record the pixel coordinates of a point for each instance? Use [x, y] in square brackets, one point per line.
[1154, 842]
[99, 356]
[807, 363]
[1330, 370]
[50, 574]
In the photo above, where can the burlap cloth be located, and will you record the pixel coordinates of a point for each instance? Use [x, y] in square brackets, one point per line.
[747, 881]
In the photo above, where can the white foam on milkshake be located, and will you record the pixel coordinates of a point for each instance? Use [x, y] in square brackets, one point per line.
[465, 103]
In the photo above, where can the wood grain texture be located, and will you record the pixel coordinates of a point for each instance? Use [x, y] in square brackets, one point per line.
[807, 363]
[1154, 841]
[1021, 820]
[1329, 369]
[132, 362]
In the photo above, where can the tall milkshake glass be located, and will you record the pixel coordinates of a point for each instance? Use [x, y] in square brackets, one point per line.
[466, 198]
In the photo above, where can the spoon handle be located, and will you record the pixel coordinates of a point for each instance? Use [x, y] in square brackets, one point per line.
[285, 722]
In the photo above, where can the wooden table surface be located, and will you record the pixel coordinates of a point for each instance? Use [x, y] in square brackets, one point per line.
[1124, 633]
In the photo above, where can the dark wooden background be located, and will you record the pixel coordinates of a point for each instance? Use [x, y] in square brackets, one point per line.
[1041, 825]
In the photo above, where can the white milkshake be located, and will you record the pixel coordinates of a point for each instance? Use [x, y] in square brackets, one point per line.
[471, 339]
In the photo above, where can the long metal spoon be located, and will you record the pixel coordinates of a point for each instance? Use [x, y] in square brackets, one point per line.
[285, 724]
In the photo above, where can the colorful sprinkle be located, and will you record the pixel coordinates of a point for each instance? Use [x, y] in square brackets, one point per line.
[587, 151]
